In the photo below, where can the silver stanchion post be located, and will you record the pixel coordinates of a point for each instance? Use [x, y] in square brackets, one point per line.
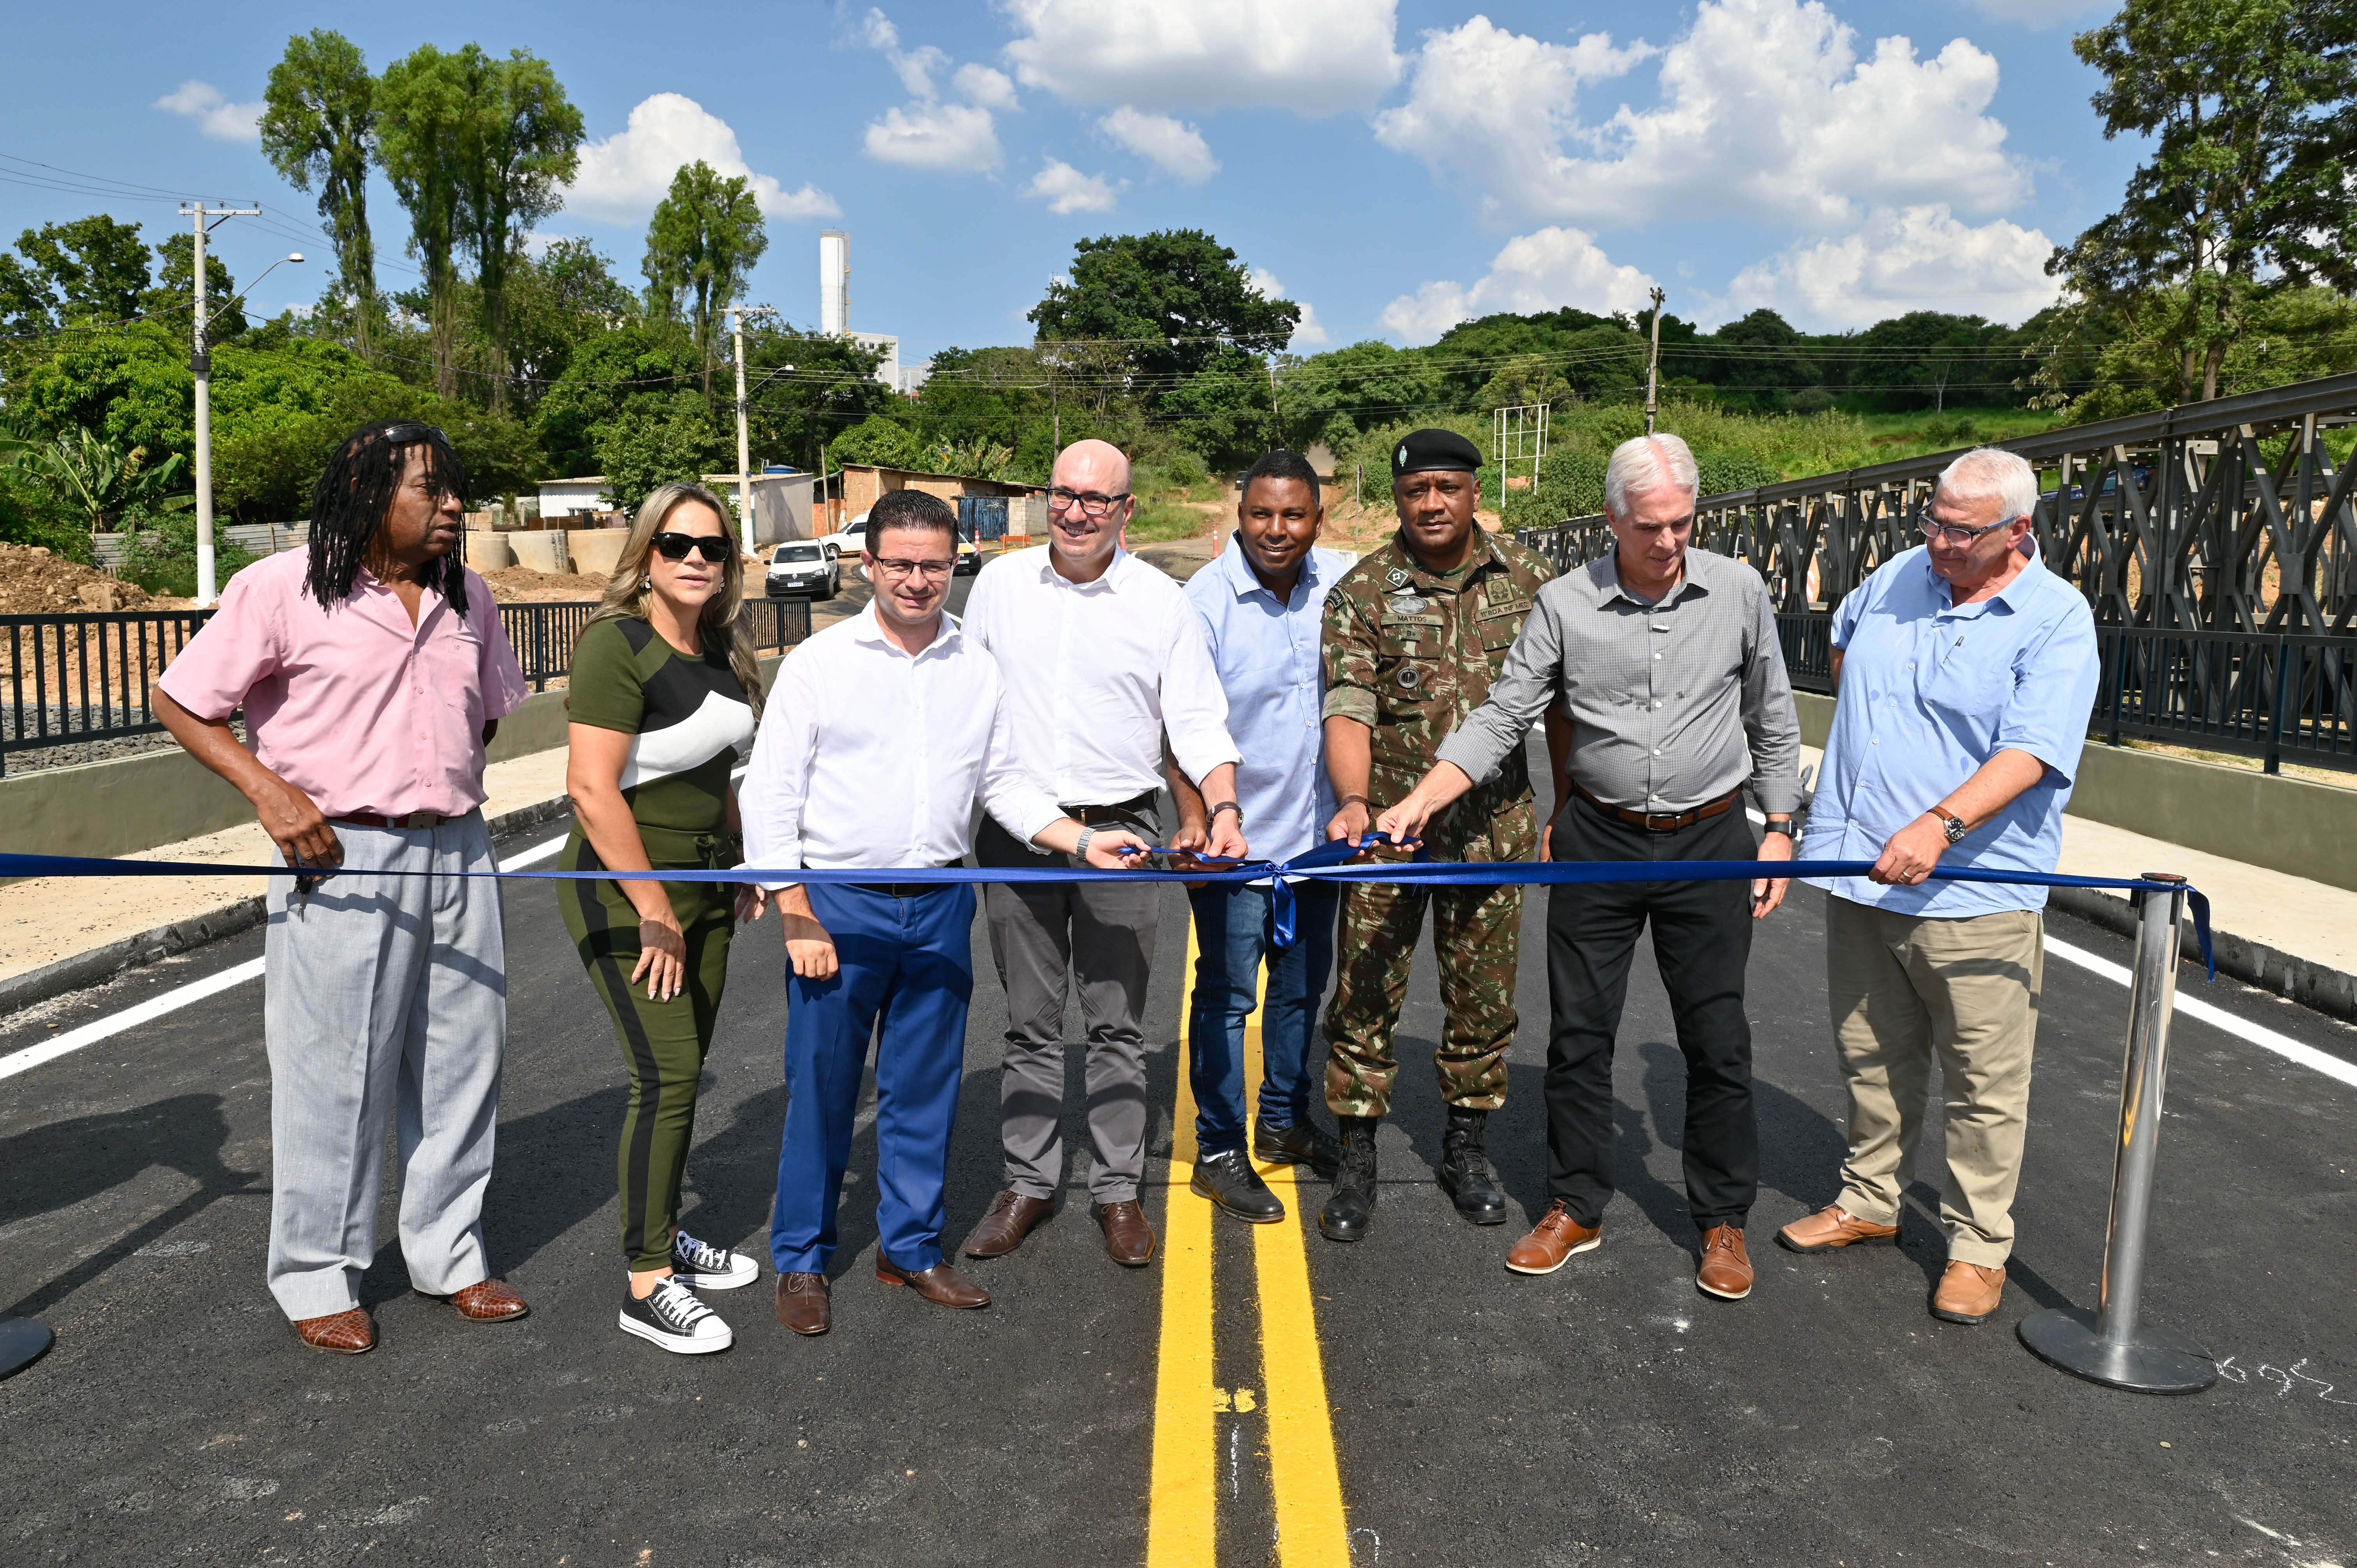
[2113, 1344]
[23, 1342]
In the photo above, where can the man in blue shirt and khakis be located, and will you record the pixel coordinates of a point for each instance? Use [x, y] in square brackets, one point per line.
[1965, 672]
[1262, 603]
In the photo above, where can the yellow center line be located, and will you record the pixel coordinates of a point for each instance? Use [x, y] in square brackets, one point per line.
[1183, 1499]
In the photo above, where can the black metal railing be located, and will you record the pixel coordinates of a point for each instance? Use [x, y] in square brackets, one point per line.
[71, 679]
[2269, 695]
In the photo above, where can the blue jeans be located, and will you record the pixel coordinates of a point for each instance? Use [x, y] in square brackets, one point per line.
[1231, 934]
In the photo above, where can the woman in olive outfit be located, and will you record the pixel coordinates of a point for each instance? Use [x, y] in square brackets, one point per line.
[665, 692]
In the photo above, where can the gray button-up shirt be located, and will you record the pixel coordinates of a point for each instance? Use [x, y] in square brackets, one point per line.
[1671, 704]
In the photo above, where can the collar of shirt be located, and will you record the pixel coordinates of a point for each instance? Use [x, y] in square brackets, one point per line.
[1105, 583]
[1406, 570]
[868, 629]
[2025, 582]
[1689, 580]
[1235, 568]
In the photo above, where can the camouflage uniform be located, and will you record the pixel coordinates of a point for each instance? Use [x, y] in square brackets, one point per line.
[1409, 653]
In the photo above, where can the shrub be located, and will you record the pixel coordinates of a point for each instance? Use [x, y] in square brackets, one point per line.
[161, 556]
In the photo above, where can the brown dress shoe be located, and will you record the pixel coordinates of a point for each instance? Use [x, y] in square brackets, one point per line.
[1831, 1225]
[485, 1301]
[1968, 1293]
[1553, 1240]
[1726, 1268]
[1129, 1239]
[940, 1284]
[803, 1302]
[1010, 1218]
[350, 1332]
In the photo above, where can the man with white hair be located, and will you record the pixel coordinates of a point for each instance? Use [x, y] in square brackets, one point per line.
[1667, 661]
[1965, 672]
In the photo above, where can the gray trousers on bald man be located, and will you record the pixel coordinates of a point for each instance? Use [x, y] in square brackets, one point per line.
[1102, 936]
[385, 997]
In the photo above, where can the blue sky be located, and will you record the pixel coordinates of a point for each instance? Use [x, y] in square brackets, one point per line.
[1392, 165]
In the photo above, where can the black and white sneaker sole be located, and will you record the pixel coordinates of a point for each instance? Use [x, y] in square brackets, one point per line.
[745, 1272]
[677, 1344]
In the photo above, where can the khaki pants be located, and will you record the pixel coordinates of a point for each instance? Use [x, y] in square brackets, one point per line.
[1904, 989]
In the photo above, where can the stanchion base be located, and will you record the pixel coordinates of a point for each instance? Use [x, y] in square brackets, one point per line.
[22, 1343]
[2155, 1362]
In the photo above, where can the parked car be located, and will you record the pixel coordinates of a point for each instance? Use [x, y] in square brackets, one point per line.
[969, 559]
[852, 540]
[804, 566]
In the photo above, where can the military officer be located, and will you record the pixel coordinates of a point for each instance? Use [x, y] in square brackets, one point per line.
[1414, 635]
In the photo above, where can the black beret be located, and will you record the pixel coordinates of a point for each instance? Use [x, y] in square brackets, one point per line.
[1421, 451]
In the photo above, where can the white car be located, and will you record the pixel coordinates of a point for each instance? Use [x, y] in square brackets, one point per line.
[803, 566]
[851, 541]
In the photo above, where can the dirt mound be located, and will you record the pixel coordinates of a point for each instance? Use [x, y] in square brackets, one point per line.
[34, 582]
[521, 584]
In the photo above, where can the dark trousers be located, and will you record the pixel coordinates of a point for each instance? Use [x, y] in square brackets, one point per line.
[1702, 940]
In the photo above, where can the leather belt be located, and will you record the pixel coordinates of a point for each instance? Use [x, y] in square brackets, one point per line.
[907, 889]
[1663, 821]
[411, 820]
[1120, 811]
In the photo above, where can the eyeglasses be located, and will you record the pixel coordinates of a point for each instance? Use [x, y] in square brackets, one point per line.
[674, 546]
[1091, 503]
[893, 566]
[1953, 534]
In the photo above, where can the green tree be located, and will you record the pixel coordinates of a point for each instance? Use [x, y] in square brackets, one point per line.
[523, 149]
[99, 482]
[426, 142]
[706, 234]
[557, 301]
[656, 444]
[830, 387]
[637, 365]
[320, 129]
[885, 442]
[2248, 188]
[91, 270]
[175, 287]
[1172, 300]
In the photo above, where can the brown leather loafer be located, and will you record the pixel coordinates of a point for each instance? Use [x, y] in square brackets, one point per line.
[803, 1303]
[1553, 1240]
[1011, 1217]
[485, 1301]
[1968, 1293]
[351, 1332]
[1831, 1225]
[1726, 1268]
[1129, 1239]
[940, 1284]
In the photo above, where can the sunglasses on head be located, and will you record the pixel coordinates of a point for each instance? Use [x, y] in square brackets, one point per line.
[675, 546]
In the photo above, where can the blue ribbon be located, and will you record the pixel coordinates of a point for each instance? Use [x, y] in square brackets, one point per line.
[1326, 862]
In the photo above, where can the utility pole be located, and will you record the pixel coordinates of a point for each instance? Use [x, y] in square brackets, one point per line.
[200, 363]
[744, 441]
[1654, 365]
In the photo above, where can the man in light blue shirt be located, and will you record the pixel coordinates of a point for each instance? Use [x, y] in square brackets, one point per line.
[1261, 602]
[1965, 672]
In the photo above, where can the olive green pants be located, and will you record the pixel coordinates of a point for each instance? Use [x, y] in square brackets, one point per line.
[663, 1043]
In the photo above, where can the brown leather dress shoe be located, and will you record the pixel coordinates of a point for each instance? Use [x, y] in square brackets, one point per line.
[1831, 1225]
[940, 1284]
[485, 1301]
[1726, 1268]
[803, 1302]
[1968, 1293]
[1129, 1239]
[1553, 1240]
[351, 1332]
[1011, 1217]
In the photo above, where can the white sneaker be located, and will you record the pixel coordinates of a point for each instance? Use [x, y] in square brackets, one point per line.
[673, 1318]
[703, 1267]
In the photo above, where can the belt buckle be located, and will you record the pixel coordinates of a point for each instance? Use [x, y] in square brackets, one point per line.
[421, 820]
[1660, 822]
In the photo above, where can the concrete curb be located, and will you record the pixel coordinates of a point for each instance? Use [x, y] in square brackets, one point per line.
[2327, 991]
[101, 964]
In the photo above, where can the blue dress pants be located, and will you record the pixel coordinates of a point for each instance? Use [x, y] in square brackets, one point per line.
[908, 964]
[1232, 935]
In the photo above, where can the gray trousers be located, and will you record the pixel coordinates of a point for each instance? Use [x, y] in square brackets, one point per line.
[384, 996]
[1103, 936]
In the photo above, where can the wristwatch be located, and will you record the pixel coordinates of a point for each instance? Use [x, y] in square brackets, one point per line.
[1081, 850]
[1778, 825]
[1952, 826]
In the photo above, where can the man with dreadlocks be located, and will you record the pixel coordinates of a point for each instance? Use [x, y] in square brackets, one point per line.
[373, 671]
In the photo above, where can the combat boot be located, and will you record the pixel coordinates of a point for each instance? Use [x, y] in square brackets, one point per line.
[1465, 1174]
[1345, 1215]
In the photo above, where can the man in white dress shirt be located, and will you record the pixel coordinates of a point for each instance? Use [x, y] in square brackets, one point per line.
[882, 731]
[1101, 654]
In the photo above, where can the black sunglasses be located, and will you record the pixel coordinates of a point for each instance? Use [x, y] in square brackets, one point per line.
[674, 546]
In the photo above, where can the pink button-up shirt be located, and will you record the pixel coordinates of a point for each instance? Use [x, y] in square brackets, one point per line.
[352, 705]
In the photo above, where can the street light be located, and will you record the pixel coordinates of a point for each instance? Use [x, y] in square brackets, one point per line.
[201, 363]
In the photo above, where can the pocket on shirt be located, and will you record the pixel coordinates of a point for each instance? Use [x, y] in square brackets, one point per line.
[1975, 688]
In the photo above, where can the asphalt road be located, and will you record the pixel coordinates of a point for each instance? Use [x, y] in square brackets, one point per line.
[1606, 1414]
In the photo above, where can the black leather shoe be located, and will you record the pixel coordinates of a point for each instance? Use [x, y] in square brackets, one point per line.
[1345, 1215]
[1228, 1179]
[1465, 1174]
[1303, 1144]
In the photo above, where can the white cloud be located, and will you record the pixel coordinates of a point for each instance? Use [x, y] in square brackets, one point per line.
[1534, 273]
[622, 178]
[981, 84]
[1309, 330]
[1174, 147]
[1066, 189]
[1766, 107]
[1914, 258]
[1313, 56]
[957, 137]
[215, 115]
